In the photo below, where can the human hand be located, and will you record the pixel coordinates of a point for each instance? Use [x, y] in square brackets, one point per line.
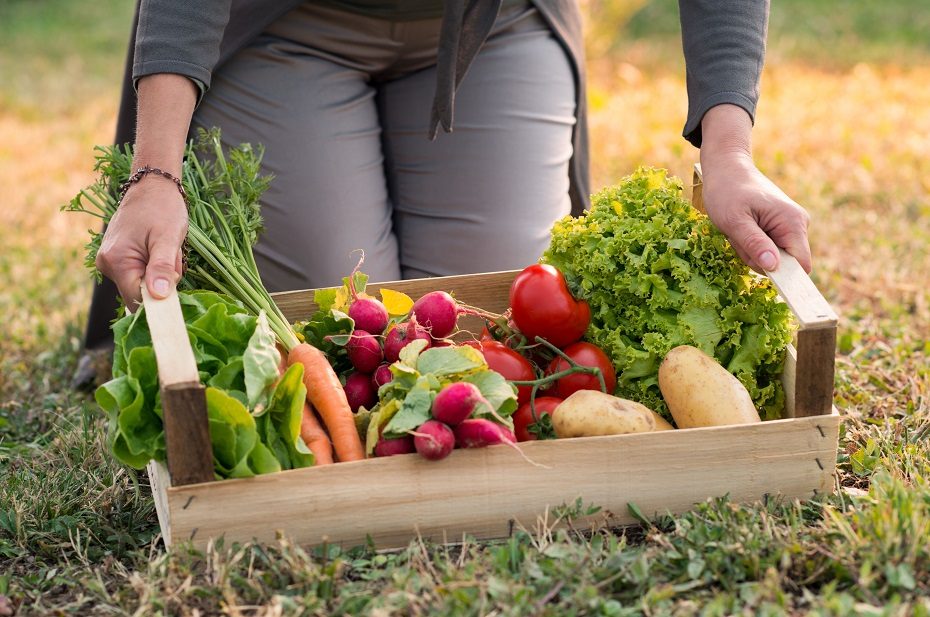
[143, 240]
[742, 202]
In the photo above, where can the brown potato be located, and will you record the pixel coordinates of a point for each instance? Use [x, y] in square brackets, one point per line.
[700, 392]
[588, 413]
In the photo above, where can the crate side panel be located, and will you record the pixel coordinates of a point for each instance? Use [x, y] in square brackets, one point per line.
[489, 291]
[483, 492]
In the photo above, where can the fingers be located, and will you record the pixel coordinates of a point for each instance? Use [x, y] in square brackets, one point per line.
[126, 271]
[754, 246]
[163, 270]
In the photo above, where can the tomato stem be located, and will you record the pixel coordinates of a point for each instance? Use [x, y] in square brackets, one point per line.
[573, 368]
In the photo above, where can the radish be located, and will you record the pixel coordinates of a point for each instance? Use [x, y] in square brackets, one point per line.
[364, 351]
[478, 433]
[433, 440]
[368, 314]
[382, 375]
[456, 401]
[400, 336]
[391, 447]
[438, 312]
[359, 391]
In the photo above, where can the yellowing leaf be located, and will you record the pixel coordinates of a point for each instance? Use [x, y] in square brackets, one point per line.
[396, 302]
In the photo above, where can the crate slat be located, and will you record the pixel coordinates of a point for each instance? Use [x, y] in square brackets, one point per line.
[486, 492]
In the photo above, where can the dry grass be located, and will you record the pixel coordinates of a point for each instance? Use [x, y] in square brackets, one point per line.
[851, 143]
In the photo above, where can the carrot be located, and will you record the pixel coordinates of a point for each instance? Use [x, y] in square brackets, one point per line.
[326, 395]
[315, 437]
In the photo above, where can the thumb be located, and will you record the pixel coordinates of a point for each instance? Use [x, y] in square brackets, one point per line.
[161, 273]
[757, 247]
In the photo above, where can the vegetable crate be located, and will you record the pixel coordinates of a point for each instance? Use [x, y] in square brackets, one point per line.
[488, 492]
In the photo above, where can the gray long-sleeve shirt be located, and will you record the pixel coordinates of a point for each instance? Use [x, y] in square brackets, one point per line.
[723, 40]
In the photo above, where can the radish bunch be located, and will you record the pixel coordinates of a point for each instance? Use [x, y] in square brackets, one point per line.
[373, 346]
[451, 426]
[366, 352]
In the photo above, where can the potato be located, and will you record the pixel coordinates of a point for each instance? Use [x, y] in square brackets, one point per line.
[700, 392]
[662, 424]
[588, 413]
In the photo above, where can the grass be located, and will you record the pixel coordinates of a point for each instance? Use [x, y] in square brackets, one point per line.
[843, 127]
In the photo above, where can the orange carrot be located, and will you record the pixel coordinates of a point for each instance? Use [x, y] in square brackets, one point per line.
[326, 395]
[315, 437]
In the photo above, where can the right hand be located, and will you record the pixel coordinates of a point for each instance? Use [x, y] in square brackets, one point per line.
[143, 240]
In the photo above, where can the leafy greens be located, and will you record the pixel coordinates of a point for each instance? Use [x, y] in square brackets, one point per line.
[658, 274]
[254, 416]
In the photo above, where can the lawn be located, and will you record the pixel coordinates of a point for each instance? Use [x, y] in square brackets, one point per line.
[843, 127]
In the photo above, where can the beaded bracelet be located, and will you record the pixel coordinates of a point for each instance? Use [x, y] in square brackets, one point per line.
[144, 171]
[141, 173]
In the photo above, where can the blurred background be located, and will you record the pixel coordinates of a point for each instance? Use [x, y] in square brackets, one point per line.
[843, 126]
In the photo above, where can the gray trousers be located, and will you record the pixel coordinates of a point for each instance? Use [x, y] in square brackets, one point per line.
[341, 103]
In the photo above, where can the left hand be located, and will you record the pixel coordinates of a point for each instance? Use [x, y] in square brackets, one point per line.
[745, 205]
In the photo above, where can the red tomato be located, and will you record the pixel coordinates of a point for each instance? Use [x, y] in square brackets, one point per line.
[523, 417]
[542, 306]
[584, 354]
[508, 363]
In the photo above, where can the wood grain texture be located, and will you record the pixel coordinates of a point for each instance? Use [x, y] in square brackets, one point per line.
[173, 353]
[485, 492]
[809, 306]
[187, 433]
[160, 482]
[813, 383]
[490, 291]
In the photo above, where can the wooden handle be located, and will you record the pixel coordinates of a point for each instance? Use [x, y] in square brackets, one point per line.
[816, 344]
[183, 397]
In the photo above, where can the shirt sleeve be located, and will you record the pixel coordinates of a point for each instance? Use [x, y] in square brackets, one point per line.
[181, 37]
[724, 48]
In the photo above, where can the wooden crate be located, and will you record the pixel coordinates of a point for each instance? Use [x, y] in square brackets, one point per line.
[487, 493]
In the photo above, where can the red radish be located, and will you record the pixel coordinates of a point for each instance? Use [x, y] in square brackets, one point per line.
[400, 336]
[478, 433]
[382, 375]
[368, 314]
[359, 391]
[391, 447]
[456, 401]
[434, 440]
[364, 351]
[438, 312]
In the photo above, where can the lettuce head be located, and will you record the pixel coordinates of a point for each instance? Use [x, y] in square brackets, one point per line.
[658, 274]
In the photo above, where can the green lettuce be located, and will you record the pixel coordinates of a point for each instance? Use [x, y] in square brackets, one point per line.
[657, 274]
[254, 416]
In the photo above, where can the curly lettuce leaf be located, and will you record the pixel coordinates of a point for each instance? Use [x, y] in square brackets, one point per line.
[658, 274]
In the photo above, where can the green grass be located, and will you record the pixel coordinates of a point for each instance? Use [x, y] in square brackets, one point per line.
[833, 33]
[78, 534]
[54, 54]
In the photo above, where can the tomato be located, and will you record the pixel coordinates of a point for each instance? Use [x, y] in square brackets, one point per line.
[523, 418]
[584, 354]
[542, 305]
[508, 363]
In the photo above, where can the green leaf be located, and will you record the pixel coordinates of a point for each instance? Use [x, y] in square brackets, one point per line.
[380, 416]
[414, 411]
[115, 397]
[499, 392]
[448, 361]
[325, 299]
[233, 433]
[260, 363]
[285, 412]
[411, 352]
